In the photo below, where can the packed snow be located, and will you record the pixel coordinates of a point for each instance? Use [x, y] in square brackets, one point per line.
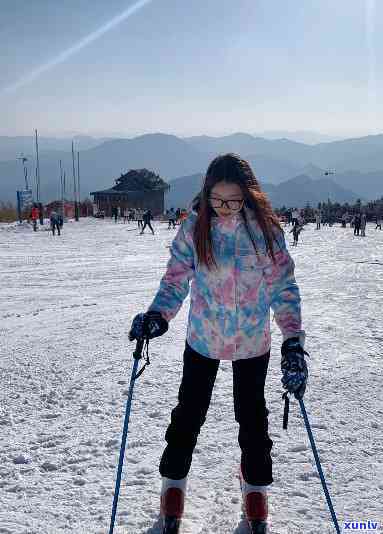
[66, 304]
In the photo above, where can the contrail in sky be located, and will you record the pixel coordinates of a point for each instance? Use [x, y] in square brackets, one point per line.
[76, 47]
[370, 23]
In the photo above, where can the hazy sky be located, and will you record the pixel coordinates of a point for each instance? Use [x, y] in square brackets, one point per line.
[190, 67]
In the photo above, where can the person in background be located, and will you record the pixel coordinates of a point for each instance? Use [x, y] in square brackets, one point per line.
[172, 218]
[363, 223]
[35, 215]
[132, 215]
[318, 219]
[294, 216]
[55, 222]
[296, 230]
[147, 217]
[41, 213]
[232, 250]
[139, 215]
[357, 221]
[378, 221]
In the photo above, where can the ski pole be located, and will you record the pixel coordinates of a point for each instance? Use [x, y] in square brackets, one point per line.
[137, 356]
[319, 467]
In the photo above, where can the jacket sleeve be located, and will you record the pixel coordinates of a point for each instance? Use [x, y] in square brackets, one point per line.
[174, 285]
[284, 294]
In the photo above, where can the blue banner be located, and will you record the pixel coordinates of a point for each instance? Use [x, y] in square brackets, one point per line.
[24, 201]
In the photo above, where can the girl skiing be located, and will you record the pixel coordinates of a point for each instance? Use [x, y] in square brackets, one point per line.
[232, 249]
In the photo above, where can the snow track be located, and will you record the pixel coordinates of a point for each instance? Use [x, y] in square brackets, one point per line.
[65, 306]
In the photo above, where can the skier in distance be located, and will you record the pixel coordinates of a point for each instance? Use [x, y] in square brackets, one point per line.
[147, 217]
[232, 249]
[296, 230]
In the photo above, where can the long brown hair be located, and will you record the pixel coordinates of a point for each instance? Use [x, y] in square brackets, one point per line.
[231, 168]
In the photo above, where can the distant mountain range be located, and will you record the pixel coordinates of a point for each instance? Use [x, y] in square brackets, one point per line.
[301, 136]
[358, 164]
[166, 155]
[362, 154]
[12, 147]
[296, 191]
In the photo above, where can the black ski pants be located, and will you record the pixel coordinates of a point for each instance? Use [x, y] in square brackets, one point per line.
[147, 223]
[55, 225]
[250, 411]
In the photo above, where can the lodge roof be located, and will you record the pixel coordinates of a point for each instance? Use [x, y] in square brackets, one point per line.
[116, 192]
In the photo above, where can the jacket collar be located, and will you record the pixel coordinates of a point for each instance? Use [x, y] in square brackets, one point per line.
[227, 223]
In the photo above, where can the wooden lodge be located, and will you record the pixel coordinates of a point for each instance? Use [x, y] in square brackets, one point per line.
[136, 189]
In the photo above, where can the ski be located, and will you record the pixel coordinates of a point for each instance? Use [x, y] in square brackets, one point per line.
[171, 525]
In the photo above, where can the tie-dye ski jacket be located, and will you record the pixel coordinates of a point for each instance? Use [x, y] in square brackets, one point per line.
[229, 316]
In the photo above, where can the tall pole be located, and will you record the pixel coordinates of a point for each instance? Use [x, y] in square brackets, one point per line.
[74, 186]
[62, 189]
[37, 169]
[38, 190]
[78, 178]
[36, 178]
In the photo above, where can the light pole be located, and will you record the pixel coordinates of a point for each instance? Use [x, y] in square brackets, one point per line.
[37, 169]
[329, 172]
[78, 178]
[38, 188]
[74, 186]
[62, 191]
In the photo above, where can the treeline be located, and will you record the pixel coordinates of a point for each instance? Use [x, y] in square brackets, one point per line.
[333, 211]
[8, 212]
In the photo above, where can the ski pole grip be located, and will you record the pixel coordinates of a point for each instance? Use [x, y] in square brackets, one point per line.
[139, 346]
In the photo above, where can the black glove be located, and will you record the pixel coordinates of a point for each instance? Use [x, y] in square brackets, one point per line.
[294, 367]
[148, 325]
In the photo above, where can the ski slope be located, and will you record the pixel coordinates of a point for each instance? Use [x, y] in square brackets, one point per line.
[66, 304]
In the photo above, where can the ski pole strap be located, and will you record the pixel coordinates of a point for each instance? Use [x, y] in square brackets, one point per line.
[285, 396]
[138, 354]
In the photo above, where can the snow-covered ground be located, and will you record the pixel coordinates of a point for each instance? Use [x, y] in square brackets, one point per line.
[66, 304]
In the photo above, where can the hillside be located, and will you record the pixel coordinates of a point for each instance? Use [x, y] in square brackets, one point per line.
[12, 147]
[294, 192]
[358, 162]
[166, 155]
